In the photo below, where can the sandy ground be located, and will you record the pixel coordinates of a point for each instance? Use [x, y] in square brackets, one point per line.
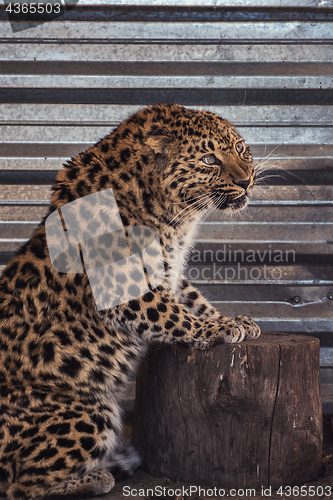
[137, 487]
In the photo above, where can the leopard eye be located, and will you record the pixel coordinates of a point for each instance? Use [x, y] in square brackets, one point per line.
[209, 159]
[239, 147]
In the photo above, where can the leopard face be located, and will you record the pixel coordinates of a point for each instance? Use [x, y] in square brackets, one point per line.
[205, 155]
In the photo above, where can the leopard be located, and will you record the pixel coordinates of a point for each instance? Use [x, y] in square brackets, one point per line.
[65, 364]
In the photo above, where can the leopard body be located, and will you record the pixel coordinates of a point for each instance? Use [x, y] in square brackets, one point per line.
[64, 365]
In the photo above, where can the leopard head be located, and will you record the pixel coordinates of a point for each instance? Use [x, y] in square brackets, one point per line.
[161, 160]
[205, 160]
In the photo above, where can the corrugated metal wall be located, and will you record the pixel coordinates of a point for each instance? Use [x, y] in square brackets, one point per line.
[265, 65]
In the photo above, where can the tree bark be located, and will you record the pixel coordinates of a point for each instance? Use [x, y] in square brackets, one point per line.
[242, 415]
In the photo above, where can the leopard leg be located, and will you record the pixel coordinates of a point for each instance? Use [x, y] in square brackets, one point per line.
[159, 316]
[75, 488]
[62, 454]
[195, 302]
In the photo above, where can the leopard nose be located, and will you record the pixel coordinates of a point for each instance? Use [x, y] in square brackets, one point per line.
[244, 184]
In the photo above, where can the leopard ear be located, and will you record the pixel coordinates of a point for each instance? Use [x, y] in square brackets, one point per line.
[159, 139]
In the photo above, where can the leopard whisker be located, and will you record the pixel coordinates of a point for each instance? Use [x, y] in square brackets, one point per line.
[261, 176]
[272, 151]
[268, 176]
[266, 158]
[211, 208]
[189, 207]
[187, 201]
[220, 200]
[262, 167]
[199, 209]
[214, 211]
[206, 210]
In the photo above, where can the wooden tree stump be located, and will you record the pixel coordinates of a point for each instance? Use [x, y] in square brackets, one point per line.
[238, 415]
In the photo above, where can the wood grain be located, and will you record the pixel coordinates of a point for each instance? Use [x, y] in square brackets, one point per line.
[238, 415]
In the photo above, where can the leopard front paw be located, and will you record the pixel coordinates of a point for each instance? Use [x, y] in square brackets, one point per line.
[252, 330]
[231, 331]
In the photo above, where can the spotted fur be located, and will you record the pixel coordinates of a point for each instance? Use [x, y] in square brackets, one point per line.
[63, 365]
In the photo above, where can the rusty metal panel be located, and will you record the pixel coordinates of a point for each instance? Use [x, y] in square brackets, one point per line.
[265, 65]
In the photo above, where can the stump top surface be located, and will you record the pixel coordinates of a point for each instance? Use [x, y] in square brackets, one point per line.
[281, 339]
[266, 340]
